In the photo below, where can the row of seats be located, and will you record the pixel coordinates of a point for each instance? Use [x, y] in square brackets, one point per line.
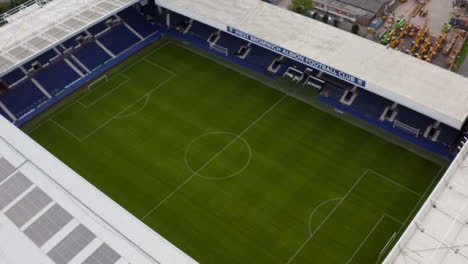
[23, 98]
[372, 106]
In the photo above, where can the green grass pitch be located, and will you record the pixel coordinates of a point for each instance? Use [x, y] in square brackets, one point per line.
[233, 171]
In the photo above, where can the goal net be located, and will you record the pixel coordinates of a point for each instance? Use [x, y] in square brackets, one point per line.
[406, 128]
[220, 49]
[101, 80]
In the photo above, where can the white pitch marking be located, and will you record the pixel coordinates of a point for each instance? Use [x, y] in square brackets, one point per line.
[121, 73]
[396, 183]
[317, 207]
[365, 239]
[126, 108]
[327, 217]
[66, 130]
[218, 178]
[136, 111]
[102, 97]
[370, 233]
[214, 157]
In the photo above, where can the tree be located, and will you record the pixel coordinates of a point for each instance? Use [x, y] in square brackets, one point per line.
[325, 18]
[302, 6]
[336, 22]
[355, 28]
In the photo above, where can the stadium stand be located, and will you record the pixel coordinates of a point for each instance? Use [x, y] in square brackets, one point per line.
[98, 28]
[48, 77]
[43, 59]
[370, 104]
[412, 118]
[13, 76]
[23, 98]
[138, 22]
[91, 55]
[331, 91]
[260, 57]
[230, 42]
[448, 135]
[201, 30]
[125, 39]
[336, 81]
[177, 20]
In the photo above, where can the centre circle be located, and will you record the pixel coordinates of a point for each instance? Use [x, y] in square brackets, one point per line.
[218, 155]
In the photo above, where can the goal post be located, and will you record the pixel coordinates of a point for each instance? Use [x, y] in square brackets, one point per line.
[220, 49]
[103, 79]
[406, 128]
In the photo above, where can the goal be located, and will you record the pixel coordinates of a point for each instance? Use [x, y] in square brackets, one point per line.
[406, 128]
[220, 49]
[98, 82]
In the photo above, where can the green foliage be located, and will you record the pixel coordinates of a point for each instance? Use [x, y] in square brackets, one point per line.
[302, 6]
[355, 28]
[11, 4]
[336, 22]
[314, 15]
[325, 18]
[462, 56]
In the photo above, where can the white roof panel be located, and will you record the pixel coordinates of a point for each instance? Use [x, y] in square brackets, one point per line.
[426, 88]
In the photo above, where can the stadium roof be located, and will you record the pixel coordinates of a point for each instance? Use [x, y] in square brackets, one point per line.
[49, 214]
[419, 85]
[439, 232]
[38, 25]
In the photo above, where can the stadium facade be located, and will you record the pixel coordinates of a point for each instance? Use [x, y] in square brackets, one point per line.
[54, 47]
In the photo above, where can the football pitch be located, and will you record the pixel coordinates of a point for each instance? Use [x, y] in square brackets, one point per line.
[231, 170]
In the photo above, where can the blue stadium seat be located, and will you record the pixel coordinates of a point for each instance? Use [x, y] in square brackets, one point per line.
[448, 135]
[332, 91]
[336, 81]
[23, 98]
[98, 28]
[177, 19]
[119, 39]
[91, 55]
[159, 19]
[71, 42]
[260, 56]
[43, 58]
[13, 76]
[287, 62]
[370, 104]
[138, 22]
[149, 9]
[56, 77]
[231, 42]
[413, 118]
[201, 30]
